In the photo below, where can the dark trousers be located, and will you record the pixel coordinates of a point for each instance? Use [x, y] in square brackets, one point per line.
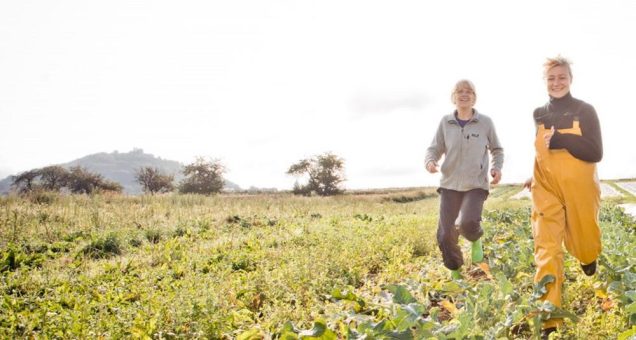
[468, 205]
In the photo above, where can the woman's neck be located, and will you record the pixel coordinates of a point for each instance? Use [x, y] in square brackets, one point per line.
[464, 113]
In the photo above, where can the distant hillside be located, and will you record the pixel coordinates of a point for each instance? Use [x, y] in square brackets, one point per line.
[121, 168]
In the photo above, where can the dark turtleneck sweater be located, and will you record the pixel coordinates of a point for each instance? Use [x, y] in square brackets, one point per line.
[561, 113]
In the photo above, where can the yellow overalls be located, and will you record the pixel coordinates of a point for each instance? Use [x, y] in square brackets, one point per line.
[565, 204]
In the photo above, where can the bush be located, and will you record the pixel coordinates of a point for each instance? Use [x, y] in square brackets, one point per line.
[42, 197]
[102, 247]
[153, 236]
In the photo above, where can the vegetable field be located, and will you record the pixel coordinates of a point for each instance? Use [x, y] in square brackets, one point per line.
[354, 266]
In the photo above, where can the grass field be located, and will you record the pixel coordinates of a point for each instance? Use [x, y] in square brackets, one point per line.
[360, 265]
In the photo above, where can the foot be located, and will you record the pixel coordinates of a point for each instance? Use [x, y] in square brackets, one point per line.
[456, 275]
[477, 251]
[545, 333]
[589, 269]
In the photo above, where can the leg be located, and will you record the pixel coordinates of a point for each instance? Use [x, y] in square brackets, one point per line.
[470, 216]
[447, 234]
[583, 235]
[548, 229]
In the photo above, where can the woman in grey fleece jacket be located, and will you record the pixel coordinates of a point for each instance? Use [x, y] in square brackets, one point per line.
[464, 138]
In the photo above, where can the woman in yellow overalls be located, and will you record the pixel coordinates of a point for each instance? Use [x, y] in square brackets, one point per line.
[565, 187]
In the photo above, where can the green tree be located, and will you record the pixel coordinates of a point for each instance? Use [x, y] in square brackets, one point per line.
[153, 181]
[53, 178]
[325, 175]
[25, 181]
[202, 177]
[82, 181]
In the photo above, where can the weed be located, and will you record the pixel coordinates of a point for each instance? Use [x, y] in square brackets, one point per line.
[153, 236]
[102, 247]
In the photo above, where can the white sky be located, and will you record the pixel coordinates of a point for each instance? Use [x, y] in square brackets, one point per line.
[263, 84]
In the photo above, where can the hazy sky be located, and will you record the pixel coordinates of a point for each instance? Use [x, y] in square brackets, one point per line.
[262, 84]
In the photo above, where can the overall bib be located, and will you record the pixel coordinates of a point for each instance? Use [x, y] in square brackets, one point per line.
[565, 205]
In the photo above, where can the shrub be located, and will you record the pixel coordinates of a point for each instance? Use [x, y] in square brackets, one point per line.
[153, 236]
[102, 247]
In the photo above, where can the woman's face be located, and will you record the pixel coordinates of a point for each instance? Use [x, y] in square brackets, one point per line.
[464, 97]
[558, 81]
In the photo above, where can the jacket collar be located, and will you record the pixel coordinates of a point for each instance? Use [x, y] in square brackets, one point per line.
[452, 118]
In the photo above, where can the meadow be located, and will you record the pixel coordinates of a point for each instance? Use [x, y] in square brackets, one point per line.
[362, 265]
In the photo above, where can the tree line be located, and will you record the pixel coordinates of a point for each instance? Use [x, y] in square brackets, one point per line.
[320, 175]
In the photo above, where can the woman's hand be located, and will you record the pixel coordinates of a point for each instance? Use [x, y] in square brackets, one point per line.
[548, 137]
[528, 184]
[496, 176]
[431, 167]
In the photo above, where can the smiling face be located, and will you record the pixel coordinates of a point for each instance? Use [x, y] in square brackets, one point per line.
[464, 96]
[558, 80]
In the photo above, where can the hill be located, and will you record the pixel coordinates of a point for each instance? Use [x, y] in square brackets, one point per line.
[121, 168]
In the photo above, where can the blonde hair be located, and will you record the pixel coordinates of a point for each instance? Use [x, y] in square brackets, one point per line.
[463, 83]
[557, 61]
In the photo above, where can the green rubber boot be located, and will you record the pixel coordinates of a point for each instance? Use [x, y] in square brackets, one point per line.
[456, 275]
[477, 251]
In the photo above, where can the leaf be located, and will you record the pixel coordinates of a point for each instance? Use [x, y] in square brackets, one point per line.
[424, 330]
[318, 332]
[630, 279]
[404, 335]
[240, 316]
[486, 268]
[252, 334]
[451, 287]
[505, 285]
[449, 306]
[615, 287]
[559, 313]
[448, 329]
[408, 315]
[289, 327]
[383, 330]
[540, 288]
[631, 294]
[599, 293]
[547, 310]
[547, 307]
[348, 295]
[380, 326]
[288, 336]
[401, 295]
[628, 334]
[607, 305]
[352, 334]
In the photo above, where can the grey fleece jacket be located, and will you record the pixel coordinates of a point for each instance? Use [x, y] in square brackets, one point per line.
[465, 165]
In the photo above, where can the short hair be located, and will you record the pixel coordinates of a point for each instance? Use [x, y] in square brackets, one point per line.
[463, 83]
[557, 61]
